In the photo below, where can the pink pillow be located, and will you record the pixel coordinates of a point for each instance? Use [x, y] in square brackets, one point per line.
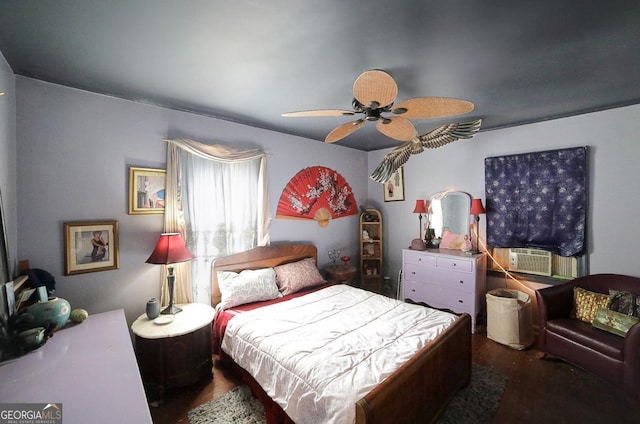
[294, 276]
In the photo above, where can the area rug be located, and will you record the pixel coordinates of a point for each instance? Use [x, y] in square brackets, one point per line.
[476, 403]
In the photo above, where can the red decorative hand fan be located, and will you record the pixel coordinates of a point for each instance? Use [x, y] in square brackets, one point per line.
[317, 193]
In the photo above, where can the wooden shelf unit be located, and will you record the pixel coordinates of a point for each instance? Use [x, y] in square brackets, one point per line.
[371, 251]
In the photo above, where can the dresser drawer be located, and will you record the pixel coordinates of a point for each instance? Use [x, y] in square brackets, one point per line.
[451, 280]
[419, 258]
[458, 302]
[415, 291]
[414, 272]
[461, 265]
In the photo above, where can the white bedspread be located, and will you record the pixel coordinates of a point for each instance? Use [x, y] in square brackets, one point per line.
[316, 355]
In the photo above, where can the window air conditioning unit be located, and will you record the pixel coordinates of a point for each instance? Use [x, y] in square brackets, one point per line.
[530, 261]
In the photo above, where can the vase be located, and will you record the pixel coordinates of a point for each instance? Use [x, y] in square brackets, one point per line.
[153, 308]
[54, 311]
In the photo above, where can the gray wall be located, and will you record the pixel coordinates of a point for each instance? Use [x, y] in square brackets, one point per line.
[612, 137]
[74, 151]
[8, 157]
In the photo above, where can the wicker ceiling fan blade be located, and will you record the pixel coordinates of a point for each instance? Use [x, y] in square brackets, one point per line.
[377, 87]
[319, 112]
[397, 127]
[344, 130]
[432, 107]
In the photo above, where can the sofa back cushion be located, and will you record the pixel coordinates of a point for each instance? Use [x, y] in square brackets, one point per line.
[602, 283]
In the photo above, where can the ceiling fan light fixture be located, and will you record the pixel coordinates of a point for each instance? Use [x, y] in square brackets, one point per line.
[378, 90]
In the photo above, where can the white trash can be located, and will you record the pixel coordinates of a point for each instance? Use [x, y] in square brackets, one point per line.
[509, 320]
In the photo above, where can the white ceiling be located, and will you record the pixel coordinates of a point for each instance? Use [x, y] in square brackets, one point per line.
[248, 61]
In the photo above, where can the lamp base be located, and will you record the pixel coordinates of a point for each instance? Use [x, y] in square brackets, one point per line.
[171, 310]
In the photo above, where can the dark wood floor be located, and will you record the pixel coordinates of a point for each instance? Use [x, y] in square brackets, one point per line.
[537, 391]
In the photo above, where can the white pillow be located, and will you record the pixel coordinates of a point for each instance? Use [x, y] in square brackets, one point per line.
[251, 285]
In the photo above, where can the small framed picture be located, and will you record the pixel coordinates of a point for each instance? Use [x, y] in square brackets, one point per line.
[146, 190]
[394, 188]
[90, 246]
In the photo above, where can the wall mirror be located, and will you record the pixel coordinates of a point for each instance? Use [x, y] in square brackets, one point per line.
[450, 210]
[4, 278]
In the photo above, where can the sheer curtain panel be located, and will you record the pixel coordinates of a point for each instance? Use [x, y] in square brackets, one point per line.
[217, 197]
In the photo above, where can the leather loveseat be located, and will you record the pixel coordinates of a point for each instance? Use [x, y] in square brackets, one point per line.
[612, 357]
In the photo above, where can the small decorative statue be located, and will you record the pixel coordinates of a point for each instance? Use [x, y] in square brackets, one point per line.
[466, 244]
[365, 235]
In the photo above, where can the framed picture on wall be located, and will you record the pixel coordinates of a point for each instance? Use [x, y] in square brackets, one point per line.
[394, 188]
[146, 190]
[90, 246]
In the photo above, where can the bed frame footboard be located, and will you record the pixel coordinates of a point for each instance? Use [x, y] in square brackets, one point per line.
[420, 389]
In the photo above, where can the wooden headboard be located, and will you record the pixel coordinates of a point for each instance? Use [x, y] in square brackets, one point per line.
[259, 257]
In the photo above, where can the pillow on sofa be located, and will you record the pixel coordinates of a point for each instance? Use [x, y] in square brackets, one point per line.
[586, 303]
[624, 302]
[297, 275]
[251, 285]
[614, 322]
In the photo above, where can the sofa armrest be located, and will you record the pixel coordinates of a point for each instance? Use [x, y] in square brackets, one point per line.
[554, 302]
[631, 350]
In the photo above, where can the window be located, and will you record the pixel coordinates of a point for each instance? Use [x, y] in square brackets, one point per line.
[538, 201]
[217, 197]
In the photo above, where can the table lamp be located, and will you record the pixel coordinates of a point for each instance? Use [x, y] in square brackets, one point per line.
[477, 209]
[169, 250]
[420, 208]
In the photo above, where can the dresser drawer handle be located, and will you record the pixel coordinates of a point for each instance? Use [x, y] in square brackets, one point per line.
[460, 301]
[461, 282]
[413, 272]
[454, 264]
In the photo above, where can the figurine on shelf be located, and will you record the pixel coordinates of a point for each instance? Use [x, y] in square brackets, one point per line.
[365, 235]
[333, 255]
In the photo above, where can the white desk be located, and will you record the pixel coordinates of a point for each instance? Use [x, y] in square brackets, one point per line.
[89, 368]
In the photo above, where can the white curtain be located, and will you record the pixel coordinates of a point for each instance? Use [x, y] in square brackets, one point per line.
[217, 197]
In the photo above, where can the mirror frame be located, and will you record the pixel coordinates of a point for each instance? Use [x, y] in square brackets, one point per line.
[5, 272]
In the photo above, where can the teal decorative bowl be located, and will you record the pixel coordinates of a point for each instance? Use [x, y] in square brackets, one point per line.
[31, 338]
[53, 311]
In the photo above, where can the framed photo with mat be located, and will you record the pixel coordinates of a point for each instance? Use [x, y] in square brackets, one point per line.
[394, 188]
[90, 246]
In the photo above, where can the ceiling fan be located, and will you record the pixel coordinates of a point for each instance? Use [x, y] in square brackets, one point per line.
[374, 93]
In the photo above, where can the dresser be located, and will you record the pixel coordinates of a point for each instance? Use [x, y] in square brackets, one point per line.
[86, 370]
[446, 279]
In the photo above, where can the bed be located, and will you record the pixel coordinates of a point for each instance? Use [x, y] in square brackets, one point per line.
[416, 391]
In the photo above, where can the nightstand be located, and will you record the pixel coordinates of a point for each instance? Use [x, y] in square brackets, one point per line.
[340, 273]
[177, 353]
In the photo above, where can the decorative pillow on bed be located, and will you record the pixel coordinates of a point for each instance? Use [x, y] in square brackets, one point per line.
[294, 276]
[586, 303]
[251, 285]
[625, 303]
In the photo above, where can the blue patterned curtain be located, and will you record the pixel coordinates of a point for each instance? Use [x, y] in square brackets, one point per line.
[538, 200]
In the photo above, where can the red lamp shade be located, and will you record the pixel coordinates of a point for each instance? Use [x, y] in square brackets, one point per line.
[420, 207]
[170, 249]
[476, 207]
